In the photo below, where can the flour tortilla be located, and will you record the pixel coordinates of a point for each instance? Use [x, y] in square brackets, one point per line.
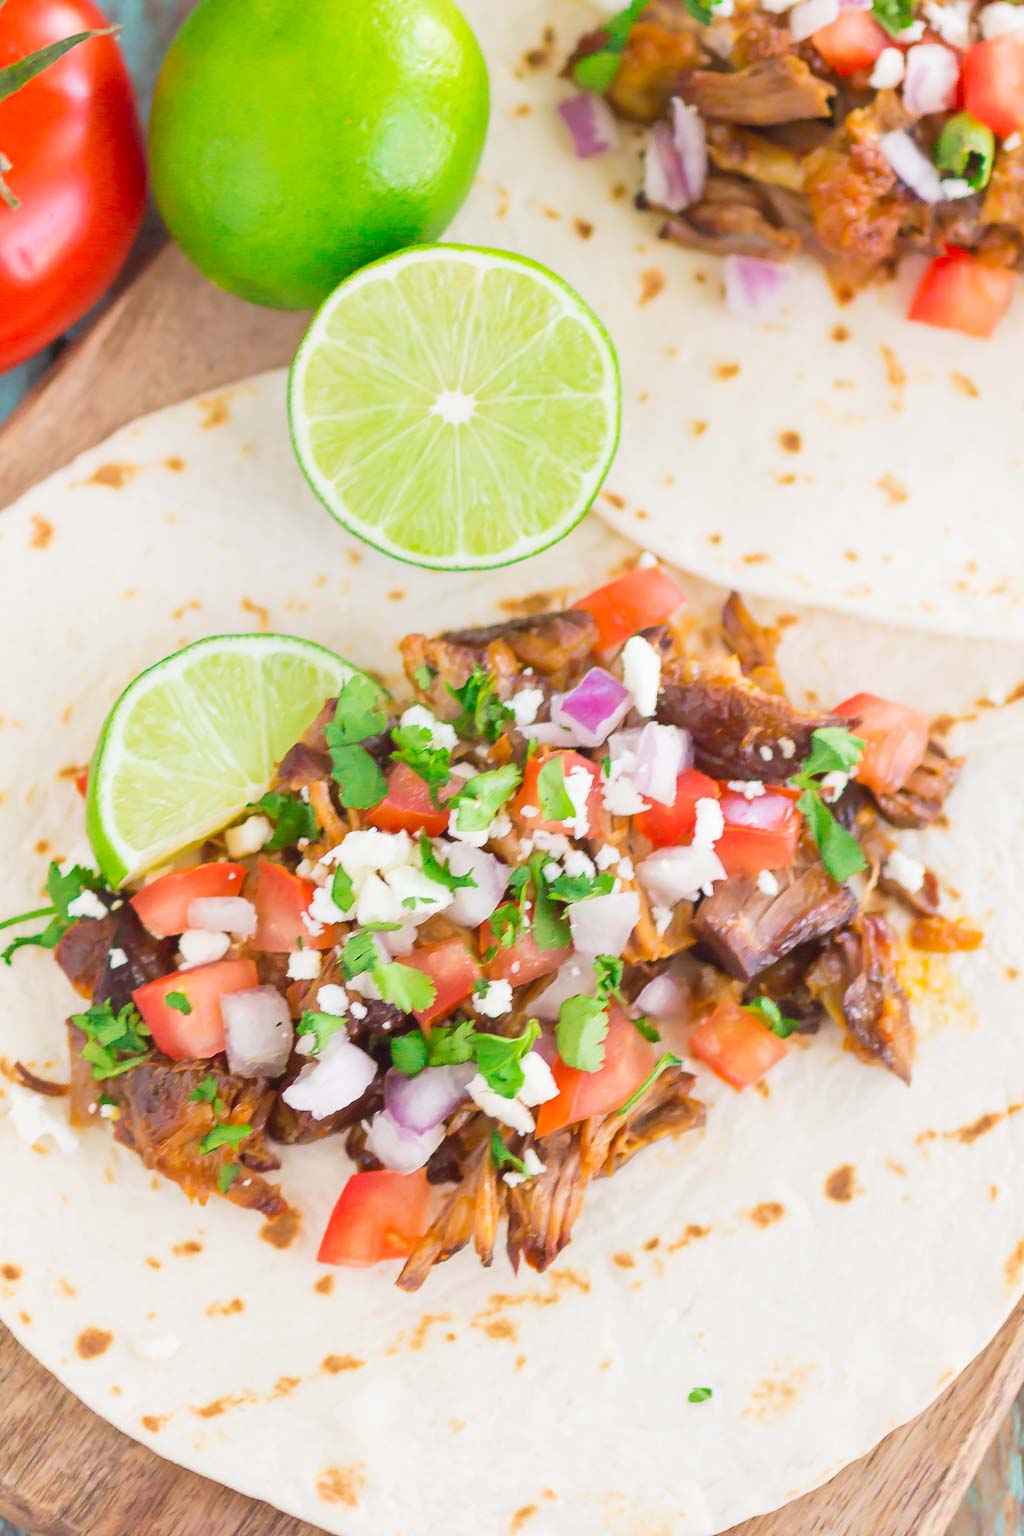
[819, 1325]
[905, 501]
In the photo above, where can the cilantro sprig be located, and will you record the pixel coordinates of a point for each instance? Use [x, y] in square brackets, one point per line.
[484, 715]
[597, 71]
[62, 889]
[498, 1058]
[440, 870]
[482, 797]
[320, 1026]
[583, 1021]
[768, 1011]
[555, 801]
[661, 1065]
[292, 818]
[115, 1042]
[833, 750]
[415, 747]
[407, 988]
[501, 1157]
[894, 15]
[361, 712]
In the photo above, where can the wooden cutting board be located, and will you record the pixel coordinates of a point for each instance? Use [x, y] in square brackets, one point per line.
[63, 1471]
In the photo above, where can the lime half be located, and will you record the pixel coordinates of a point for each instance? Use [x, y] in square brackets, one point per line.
[195, 738]
[457, 408]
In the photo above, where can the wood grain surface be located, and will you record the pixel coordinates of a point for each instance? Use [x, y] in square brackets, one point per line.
[63, 1471]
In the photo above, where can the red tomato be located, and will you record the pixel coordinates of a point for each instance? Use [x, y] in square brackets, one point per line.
[896, 740]
[407, 806]
[163, 906]
[528, 798]
[642, 597]
[736, 1045]
[993, 74]
[628, 1061]
[850, 43]
[522, 961]
[960, 293]
[759, 834]
[192, 1036]
[378, 1216]
[667, 825]
[73, 138]
[281, 899]
[452, 969]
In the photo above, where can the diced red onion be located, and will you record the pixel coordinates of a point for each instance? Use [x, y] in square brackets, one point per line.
[575, 979]
[911, 165]
[679, 874]
[676, 159]
[593, 708]
[663, 998]
[341, 1076]
[548, 734]
[810, 16]
[401, 1150]
[421, 1102]
[589, 119]
[257, 1030]
[223, 914]
[601, 925]
[659, 761]
[755, 289]
[473, 904]
[932, 79]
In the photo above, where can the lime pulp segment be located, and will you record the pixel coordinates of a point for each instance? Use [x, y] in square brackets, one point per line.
[195, 739]
[457, 408]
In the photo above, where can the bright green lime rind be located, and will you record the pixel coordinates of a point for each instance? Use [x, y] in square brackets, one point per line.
[292, 141]
[195, 739]
[456, 408]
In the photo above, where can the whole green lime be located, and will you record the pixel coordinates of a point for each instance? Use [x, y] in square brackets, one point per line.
[292, 141]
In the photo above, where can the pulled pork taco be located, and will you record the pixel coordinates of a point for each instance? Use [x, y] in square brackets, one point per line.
[602, 910]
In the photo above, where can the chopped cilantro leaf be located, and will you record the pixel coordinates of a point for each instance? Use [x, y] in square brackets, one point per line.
[293, 819]
[840, 851]
[206, 1092]
[342, 890]
[555, 804]
[699, 1395]
[440, 870]
[550, 927]
[581, 1033]
[499, 1058]
[479, 801]
[450, 1047]
[227, 1176]
[62, 890]
[895, 15]
[405, 986]
[358, 777]
[115, 1043]
[224, 1136]
[409, 1052]
[505, 923]
[483, 713]
[608, 969]
[414, 746]
[322, 1027]
[361, 711]
[423, 676]
[769, 1012]
[660, 1066]
[966, 148]
[179, 1002]
[503, 1158]
[597, 71]
[643, 1025]
[833, 750]
[570, 888]
[361, 953]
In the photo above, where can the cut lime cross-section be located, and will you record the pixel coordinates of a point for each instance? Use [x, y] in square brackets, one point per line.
[457, 408]
[195, 739]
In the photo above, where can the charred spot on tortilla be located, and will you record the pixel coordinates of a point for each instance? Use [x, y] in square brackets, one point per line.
[154, 1422]
[335, 1364]
[841, 1184]
[188, 1249]
[583, 228]
[42, 531]
[214, 409]
[281, 1231]
[840, 333]
[790, 442]
[10, 1272]
[767, 1213]
[325, 1285]
[652, 283]
[894, 491]
[175, 463]
[341, 1485]
[113, 476]
[726, 371]
[965, 386]
[624, 1260]
[93, 1342]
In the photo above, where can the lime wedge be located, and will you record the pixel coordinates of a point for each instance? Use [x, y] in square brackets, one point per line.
[457, 408]
[195, 739]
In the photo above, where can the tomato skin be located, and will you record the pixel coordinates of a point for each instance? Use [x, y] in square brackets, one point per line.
[736, 1045]
[407, 806]
[74, 140]
[377, 1216]
[452, 969]
[895, 737]
[630, 603]
[193, 1036]
[993, 83]
[850, 43]
[628, 1061]
[528, 797]
[960, 293]
[762, 833]
[521, 961]
[668, 825]
[281, 899]
[163, 906]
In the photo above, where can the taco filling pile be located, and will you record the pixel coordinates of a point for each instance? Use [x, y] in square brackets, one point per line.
[478, 936]
[857, 132]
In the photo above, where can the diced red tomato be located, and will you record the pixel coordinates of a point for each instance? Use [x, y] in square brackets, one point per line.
[736, 1045]
[200, 1033]
[378, 1216]
[452, 968]
[630, 603]
[993, 80]
[895, 737]
[281, 899]
[667, 825]
[163, 906]
[528, 798]
[628, 1062]
[961, 293]
[407, 806]
[521, 961]
[762, 833]
[850, 43]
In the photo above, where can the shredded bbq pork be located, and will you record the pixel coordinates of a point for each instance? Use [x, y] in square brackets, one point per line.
[817, 946]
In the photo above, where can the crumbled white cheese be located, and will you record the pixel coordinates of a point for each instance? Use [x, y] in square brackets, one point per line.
[787, 746]
[86, 904]
[323, 909]
[765, 753]
[833, 785]
[33, 1118]
[951, 21]
[441, 734]
[109, 1112]
[905, 871]
[248, 837]
[538, 1080]
[576, 862]
[552, 842]
[304, 964]
[526, 705]
[197, 946]
[494, 999]
[358, 1010]
[332, 999]
[620, 798]
[625, 868]
[750, 789]
[532, 1163]
[501, 826]
[606, 856]
[116, 958]
[378, 903]
[767, 883]
[661, 917]
[530, 812]
[646, 560]
[955, 187]
[578, 784]
[641, 673]
[411, 885]
[709, 823]
[510, 1112]
[371, 850]
[156, 1347]
[513, 1178]
[999, 17]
